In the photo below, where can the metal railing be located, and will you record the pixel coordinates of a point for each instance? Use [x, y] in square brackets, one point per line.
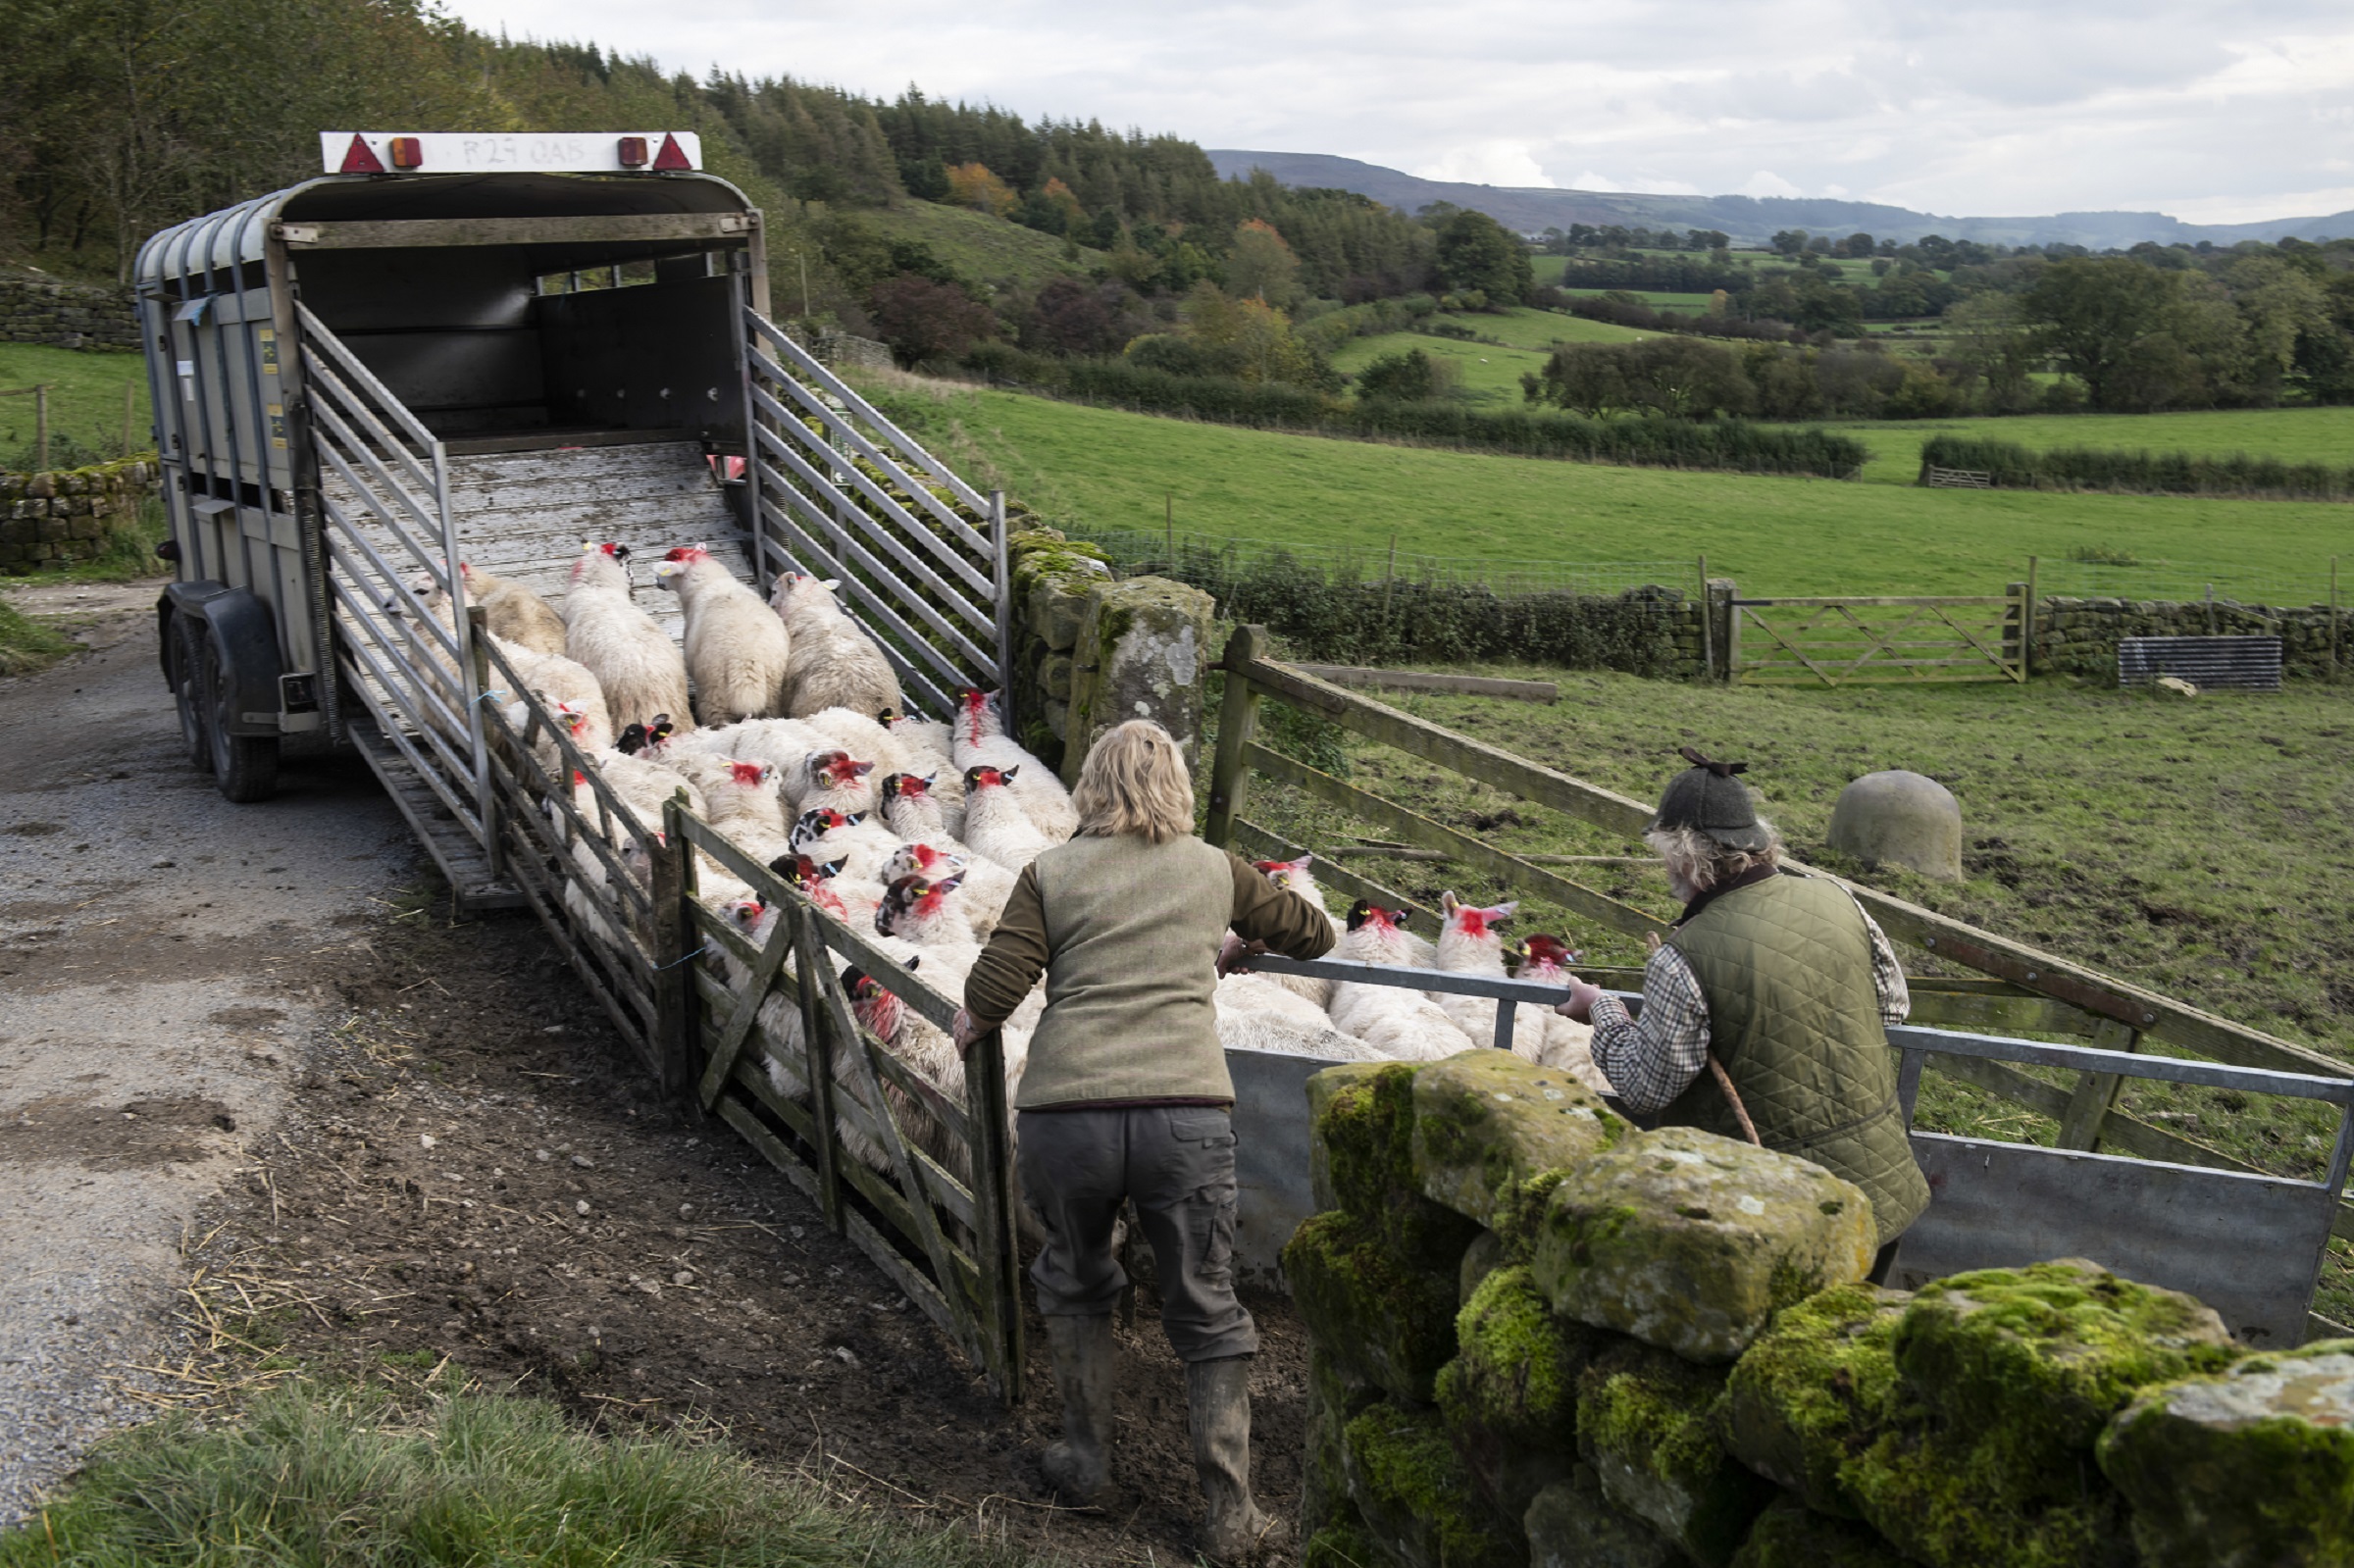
[839, 491]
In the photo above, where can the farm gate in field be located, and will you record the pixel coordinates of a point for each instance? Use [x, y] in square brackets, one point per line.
[2115, 1162]
[1852, 640]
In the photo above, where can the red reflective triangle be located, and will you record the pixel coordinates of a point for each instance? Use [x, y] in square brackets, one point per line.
[358, 160]
[670, 157]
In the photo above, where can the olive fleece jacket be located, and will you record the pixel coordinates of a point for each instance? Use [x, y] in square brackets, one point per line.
[1127, 935]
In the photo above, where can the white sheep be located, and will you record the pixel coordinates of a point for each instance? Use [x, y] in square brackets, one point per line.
[860, 845]
[514, 612]
[736, 649]
[987, 885]
[996, 826]
[782, 744]
[1295, 876]
[1470, 944]
[637, 664]
[978, 739]
[924, 751]
[1400, 1023]
[1568, 1045]
[831, 779]
[834, 663]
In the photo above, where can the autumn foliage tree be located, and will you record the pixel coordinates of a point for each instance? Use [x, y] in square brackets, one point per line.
[973, 186]
[922, 320]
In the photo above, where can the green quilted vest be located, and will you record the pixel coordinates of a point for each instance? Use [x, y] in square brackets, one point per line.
[1786, 967]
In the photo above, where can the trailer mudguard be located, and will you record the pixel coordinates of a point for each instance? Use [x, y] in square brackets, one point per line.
[241, 627]
[179, 599]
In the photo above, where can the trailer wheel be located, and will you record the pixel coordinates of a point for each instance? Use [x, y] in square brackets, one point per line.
[245, 767]
[187, 650]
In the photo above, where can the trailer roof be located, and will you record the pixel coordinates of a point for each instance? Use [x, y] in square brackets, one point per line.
[225, 242]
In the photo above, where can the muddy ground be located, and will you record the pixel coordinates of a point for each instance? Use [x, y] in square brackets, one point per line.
[472, 1172]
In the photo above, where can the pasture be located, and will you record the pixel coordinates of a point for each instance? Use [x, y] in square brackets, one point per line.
[1095, 468]
[85, 403]
[2190, 847]
[2295, 434]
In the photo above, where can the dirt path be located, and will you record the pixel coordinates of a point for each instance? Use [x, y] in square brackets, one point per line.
[162, 954]
[438, 1161]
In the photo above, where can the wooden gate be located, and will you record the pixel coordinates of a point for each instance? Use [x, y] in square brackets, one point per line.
[1876, 641]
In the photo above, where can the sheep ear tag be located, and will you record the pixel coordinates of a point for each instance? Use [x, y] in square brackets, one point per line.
[831, 585]
[1005, 775]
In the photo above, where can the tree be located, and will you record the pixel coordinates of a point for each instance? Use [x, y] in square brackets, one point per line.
[2280, 304]
[2127, 331]
[1262, 266]
[971, 185]
[1412, 376]
[1477, 252]
[922, 320]
[1857, 244]
[1789, 241]
[1990, 339]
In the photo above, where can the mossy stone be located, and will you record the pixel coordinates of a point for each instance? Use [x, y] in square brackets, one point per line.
[1360, 1161]
[1386, 1322]
[1789, 1535]
[1646, 1422]
[1814, 1389]
[1485, 1122]
[1572, 1525]
[1483, 1257]
[1416, 1497]
[1690, 1241]
[2011, 1374]
[1518, 1364]
[1341, 1545]
[1335, 1395]
[2244, 1469]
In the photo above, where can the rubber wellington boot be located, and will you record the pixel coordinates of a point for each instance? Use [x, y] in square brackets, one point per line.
[1217, 1397]
[1080, 1464]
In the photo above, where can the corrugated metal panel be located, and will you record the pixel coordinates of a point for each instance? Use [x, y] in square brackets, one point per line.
[2248, 664]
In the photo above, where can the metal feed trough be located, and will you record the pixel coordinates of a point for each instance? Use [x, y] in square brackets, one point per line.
[2248, 1244]
[2240, 663]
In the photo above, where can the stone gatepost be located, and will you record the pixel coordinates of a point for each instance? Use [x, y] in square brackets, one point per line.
[1139, 654]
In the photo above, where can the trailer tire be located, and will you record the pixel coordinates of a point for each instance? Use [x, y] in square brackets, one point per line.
[184, 653]
[245, 767]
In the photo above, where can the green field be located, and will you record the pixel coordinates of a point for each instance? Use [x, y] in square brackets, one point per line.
[1104, 469]
[1488, 372]
[2296, 435]
[1657, 299]
[2190, 847]
[85, 400]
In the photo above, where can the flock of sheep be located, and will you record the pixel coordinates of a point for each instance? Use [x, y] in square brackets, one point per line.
[784, 725]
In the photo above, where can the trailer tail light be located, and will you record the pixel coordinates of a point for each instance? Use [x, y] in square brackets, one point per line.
[670, 157]
[361, 159]
[407, 152]
[298, 693]
[632, 152]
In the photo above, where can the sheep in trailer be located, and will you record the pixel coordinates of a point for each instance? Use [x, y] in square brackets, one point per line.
[924, 750]
[1400, 1023]
[639, 668]
[1469, 944]
[834, 663]
[1295, 876]
[1568, 1044]
[995, 827]
[986, 885]
[831, 779]
[862, 846]
[979, 739]
[513, 611]
[736, 649]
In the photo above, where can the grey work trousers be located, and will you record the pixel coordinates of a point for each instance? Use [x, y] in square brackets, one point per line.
[1176, 1162]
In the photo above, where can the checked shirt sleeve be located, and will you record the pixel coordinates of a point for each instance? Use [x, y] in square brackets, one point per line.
[1650, 1062]
[1887, 974]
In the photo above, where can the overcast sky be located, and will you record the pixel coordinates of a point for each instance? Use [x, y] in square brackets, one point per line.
[2214, 113]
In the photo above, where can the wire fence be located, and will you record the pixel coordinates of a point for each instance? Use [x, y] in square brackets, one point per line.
[1191, 556]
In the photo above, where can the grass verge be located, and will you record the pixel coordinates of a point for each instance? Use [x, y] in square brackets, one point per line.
[315, 1475]
[85, 403]
[26, 644]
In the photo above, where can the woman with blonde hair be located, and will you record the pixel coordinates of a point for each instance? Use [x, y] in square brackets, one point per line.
[1126, 1097]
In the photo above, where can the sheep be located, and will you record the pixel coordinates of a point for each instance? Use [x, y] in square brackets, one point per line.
[860, 736]
[1257, 1014]
[979, 739]
[561, 682]
[924, 750]
[834, 663]
[849, 902]
[1294, 876]
[1568, 1045]
[736, 649]
[513, 611]
[639, 667]
[922, 911]
[995, 824]
[862, 846]
[784, 744]
[1400, 1023]
[1468, 944]
[829, 779]
[986, 885]
[737, 795]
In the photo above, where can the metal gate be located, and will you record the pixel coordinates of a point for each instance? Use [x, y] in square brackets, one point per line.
[1880, 641]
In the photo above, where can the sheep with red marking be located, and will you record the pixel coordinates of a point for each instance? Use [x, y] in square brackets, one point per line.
[736, 649]
[634, 662]
[833, 664]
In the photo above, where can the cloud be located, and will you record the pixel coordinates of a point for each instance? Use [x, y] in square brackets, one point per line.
[1956, 106]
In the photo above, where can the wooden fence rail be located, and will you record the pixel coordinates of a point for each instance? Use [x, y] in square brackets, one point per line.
[2027, 989]
[1850, 641]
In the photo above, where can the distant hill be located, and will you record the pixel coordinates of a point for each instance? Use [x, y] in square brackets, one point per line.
[1752, 218]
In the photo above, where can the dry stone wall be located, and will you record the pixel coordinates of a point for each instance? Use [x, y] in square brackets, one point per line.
[63, 516]
[35, 310]
[2080, 636]
[1540, 1336]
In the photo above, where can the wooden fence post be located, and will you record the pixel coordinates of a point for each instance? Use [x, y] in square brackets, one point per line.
[1708, 612]
[2088, 1106]
[1732, 632]
[41, 427]
[997, 1250]
[2333, 618]
[809, 957]
[1238, 721]
[2027, 623]
[673, 983]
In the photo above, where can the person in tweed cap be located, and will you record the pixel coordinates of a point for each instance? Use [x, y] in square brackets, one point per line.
[1765, 1012]
[1126, 1098]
